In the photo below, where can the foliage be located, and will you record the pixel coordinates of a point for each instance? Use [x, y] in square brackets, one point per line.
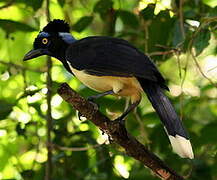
[181, 41]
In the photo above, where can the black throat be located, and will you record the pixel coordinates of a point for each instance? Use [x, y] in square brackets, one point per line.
[58, 50]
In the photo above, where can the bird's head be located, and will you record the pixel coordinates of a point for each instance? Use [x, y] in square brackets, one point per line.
[52, 40]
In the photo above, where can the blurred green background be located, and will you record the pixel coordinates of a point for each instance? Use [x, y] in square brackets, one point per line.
[179, 35]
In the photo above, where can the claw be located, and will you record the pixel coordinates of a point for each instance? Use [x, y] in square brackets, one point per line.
[120, 120]
[80, 116]
[122, 128]
[91, 100]
[110, 139]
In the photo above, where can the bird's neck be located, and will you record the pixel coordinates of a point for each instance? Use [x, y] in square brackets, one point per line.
[61, 45]
[60, 54]
[59, 50]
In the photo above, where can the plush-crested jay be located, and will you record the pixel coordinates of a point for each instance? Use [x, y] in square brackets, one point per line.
[113, 66]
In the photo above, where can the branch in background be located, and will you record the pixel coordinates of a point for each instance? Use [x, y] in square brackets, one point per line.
[142, 128]
[48, 173]
[63, 148]
[206, 21]
[170, 50]
[211, 69]
[20, 67]
[158, 53]
[8, 4]
[201, 71]
[118, 133]
[181, 21]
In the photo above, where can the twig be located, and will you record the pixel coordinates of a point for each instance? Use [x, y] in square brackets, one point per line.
[158, 53]
[211, 69]
[181, 18]
[170, 50]
[75, 148]
[118, 133]
[48, 173]
[20, 67]
[179, 64]
[206, 21]
[142, 128]
[19, 165]
[201, 71]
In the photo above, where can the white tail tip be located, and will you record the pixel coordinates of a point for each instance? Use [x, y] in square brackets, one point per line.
[181, 146]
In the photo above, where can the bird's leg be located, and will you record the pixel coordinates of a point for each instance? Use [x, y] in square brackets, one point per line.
[129, 109]
[94, 97]
[120, 120]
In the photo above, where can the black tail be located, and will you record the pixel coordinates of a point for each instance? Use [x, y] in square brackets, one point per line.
[177, 134]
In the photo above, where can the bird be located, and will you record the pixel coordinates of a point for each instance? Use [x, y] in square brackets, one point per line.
[112, 66]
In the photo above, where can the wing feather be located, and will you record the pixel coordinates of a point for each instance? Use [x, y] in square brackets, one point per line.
[106, 56]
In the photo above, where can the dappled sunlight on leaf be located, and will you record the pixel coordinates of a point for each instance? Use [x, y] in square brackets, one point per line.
[210, 66]
[122, 167]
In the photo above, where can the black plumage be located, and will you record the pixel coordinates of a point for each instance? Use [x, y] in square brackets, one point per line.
[107, 56]
[164, 108]
[57, 26]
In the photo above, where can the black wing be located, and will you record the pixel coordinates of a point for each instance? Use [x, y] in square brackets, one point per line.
[107, 56]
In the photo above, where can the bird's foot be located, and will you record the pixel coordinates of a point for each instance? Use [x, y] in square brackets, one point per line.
[121, 126]
[81, 117]
[95, 105]
[120, 120]
[110, 140]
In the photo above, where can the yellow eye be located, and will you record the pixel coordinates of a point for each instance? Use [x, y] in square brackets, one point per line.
[44, 40]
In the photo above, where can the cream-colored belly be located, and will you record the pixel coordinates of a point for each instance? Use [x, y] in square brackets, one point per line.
[121, 86]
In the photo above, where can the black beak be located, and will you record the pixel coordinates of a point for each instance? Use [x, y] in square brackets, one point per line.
[35, 53]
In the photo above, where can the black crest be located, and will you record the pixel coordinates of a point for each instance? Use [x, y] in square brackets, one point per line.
[57, 25]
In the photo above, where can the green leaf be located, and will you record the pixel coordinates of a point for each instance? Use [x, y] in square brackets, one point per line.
[35, 4]
[208, 133]
[28, 93]
[148, 12]
[103, 6]
[128, 18]
[20, 131]
[61, 2]
[211, 3]
[178, 37]
[201, 169]
[5, 109]
[158, 31]
[38, 108]
[213, 12]
[11, 26]
[201, 41]
[188, 38]
[82, 23]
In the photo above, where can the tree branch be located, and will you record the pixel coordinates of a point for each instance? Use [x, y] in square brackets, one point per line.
[63, 148]
[17, 66]
[49, 118]
[118, 133]
[181, 18]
